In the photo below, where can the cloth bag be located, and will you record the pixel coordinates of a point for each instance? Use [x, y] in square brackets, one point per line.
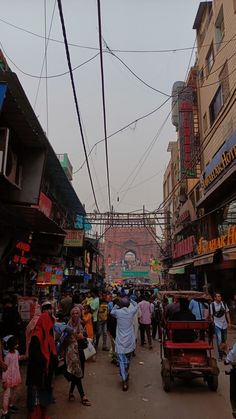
[90, 350]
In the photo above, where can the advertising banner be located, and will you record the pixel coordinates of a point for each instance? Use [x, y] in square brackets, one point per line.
[50, 275]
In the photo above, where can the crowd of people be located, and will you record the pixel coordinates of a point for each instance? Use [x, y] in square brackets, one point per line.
[62, 329]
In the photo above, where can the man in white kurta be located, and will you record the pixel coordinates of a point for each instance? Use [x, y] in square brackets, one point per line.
[125, 337]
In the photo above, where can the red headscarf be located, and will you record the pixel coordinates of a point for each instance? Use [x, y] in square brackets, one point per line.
[44, 332]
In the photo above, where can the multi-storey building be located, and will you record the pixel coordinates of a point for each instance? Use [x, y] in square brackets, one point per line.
[215, 26]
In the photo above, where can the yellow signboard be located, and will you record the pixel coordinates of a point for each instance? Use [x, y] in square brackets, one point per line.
[229, 239]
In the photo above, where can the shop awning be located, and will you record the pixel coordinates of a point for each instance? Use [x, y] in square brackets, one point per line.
[204, 259]
[179, 268]
[32, 219]
[229, 254]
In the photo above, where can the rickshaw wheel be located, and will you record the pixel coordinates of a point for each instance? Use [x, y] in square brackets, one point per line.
[166, 378]
[212, 381]
[166, 382]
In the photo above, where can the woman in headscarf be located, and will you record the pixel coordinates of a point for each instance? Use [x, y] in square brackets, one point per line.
[75, 357]
[41, 366]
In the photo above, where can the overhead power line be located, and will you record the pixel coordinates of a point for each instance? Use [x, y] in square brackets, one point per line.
[136, 51]
[103, 100]
[53, 76]
[75, 97]
[123, 128]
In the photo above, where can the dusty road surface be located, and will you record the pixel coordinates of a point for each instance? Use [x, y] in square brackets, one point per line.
[145, 397]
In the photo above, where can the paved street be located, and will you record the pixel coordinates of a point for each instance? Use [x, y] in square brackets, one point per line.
[145, 397]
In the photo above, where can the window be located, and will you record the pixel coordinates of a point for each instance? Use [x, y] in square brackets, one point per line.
[210, 59]
[219, 27]
[216, 105]
[224, 81]
[205, 122]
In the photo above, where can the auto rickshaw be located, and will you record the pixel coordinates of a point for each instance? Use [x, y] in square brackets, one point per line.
[190, 358]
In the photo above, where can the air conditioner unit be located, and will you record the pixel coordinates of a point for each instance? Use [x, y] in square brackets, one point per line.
[10, 168]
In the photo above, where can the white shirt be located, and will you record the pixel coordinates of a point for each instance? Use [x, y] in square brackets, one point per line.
[125, 337]
[220, 322]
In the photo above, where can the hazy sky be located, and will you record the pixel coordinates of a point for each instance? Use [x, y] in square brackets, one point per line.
[127, 25]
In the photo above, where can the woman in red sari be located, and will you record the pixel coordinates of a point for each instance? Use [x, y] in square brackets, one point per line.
[41, 366]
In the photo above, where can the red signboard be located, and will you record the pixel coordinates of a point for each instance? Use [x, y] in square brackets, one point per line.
[184, 247]
[45, 204]
[186, 133]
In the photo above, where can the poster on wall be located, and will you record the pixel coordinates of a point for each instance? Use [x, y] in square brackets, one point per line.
[50, 275]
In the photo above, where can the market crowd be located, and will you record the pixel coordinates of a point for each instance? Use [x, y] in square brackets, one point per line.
[64, 332]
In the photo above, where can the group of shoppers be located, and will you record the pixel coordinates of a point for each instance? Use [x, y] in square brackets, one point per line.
[117, 313]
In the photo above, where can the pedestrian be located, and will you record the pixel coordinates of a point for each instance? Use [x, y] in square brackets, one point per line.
[156, 319]
[102, 323]
[11, 377]
[145, 319]
[94, 304]
[231, 360]
[42, 363]
[65, 305]
[111, 328]
[171, 309]
[124, 313]
[88, 321]
[74, 357]
[219, 312]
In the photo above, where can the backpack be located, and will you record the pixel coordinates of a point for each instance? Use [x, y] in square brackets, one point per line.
[103, 312]
[219, 313]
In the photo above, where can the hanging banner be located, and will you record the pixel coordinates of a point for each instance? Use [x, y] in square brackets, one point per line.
[50, 275]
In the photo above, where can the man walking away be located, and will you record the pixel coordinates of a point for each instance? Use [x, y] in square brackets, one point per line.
[145, 320]
[124, 313]
[219, 312]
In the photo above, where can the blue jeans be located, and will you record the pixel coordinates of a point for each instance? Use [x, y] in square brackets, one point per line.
[221, 337]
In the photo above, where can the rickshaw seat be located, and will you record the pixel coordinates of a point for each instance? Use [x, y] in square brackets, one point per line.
[199, 344]
[183, 325]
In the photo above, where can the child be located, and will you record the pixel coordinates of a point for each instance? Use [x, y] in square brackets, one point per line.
[11, 377]
[88, 321]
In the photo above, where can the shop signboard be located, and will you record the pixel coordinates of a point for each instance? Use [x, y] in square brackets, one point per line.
[220, 242]
[135, 274]
[183, 247]
[74, 238]
[50, 274]
[186, 133]
[21, 253]
[224, 159]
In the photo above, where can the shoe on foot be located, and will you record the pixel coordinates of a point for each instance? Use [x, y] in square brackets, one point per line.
[13, 408]
[124, 386]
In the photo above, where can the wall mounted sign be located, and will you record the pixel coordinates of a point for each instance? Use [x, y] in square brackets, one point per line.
[223, 161]
[186, 134]
[184, 247]
[229, 239]
[74, 238]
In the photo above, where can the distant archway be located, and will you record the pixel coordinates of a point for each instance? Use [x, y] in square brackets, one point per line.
[130, 256]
